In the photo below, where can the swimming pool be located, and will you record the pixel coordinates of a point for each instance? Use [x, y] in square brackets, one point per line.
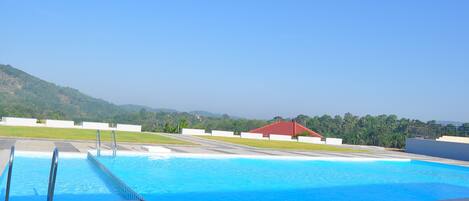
[77, 180]
[208, 178]
[243, 179]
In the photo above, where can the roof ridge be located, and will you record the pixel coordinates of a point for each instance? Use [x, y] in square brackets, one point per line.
[271, 124]
[304, 127]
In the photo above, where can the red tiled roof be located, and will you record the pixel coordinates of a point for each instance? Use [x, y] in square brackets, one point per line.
[284, 128]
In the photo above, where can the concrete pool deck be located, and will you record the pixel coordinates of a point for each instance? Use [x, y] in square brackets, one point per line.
[205, 146]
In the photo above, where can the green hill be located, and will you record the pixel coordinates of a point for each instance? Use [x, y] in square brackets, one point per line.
[24, 95]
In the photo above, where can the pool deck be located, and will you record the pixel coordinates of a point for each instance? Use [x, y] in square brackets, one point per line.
[205, 146]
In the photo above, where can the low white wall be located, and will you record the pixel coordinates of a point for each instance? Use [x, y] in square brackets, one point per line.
[313, 140]
[223, 133]
[59, 124]
[128, 127]
[13, 121]
[279, 137]
[191, 131]
[95, 125]
[258, 136]
[457, 139]
[334, 141]
[452, 150]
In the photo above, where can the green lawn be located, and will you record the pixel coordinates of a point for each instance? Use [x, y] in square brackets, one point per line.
[82, 134]
[283, 144]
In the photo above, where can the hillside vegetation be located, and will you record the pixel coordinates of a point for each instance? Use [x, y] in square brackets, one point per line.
[23, 95]
[27, 96]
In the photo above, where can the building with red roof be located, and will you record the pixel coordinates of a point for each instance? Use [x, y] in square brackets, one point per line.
[285, 128]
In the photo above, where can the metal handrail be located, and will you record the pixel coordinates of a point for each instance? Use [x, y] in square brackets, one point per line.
[114, 143]
[98, 143]
[10, 169]
[53, 175]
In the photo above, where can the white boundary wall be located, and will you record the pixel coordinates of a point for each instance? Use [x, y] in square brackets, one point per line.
[313, 140]
[457, 139]
[191, 131]
[279, 137]
[13, 121]
[128, 127]
[95, 125]
[334, 141]
[59, 124]
[452, 150]
[223, 133]
[258, 136]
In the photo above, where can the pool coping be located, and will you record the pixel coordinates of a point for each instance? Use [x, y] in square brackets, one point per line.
[156, 155]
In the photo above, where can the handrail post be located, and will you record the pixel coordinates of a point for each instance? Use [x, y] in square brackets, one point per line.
[114, 143]
[98, 143]
[10, 169]
[53, 175]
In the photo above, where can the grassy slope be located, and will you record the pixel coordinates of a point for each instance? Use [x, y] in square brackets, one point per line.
[81, 134]
[283, 144]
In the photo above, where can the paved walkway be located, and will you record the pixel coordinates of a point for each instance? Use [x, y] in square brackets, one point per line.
[203, 146]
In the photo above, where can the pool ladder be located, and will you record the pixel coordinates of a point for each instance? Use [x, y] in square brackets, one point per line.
[52, 174]
[98, 143]
[113, 143]
[10, 169]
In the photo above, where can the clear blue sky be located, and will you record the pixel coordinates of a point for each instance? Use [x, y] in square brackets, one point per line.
[251, 58]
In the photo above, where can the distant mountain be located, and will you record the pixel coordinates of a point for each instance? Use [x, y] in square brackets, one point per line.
[137, 108]
[212, 115]
[24, 95]
[454, 123]
[205, 114]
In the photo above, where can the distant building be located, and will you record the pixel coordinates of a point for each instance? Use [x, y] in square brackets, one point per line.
[290, 128]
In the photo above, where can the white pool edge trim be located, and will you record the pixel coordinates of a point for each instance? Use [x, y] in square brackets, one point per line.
[233, 156]
[156, 156]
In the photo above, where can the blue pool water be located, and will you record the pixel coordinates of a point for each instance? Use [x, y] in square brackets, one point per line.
[77, 180]
[179, 179]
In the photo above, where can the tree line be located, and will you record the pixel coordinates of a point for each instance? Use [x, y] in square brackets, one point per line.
[380, 130]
